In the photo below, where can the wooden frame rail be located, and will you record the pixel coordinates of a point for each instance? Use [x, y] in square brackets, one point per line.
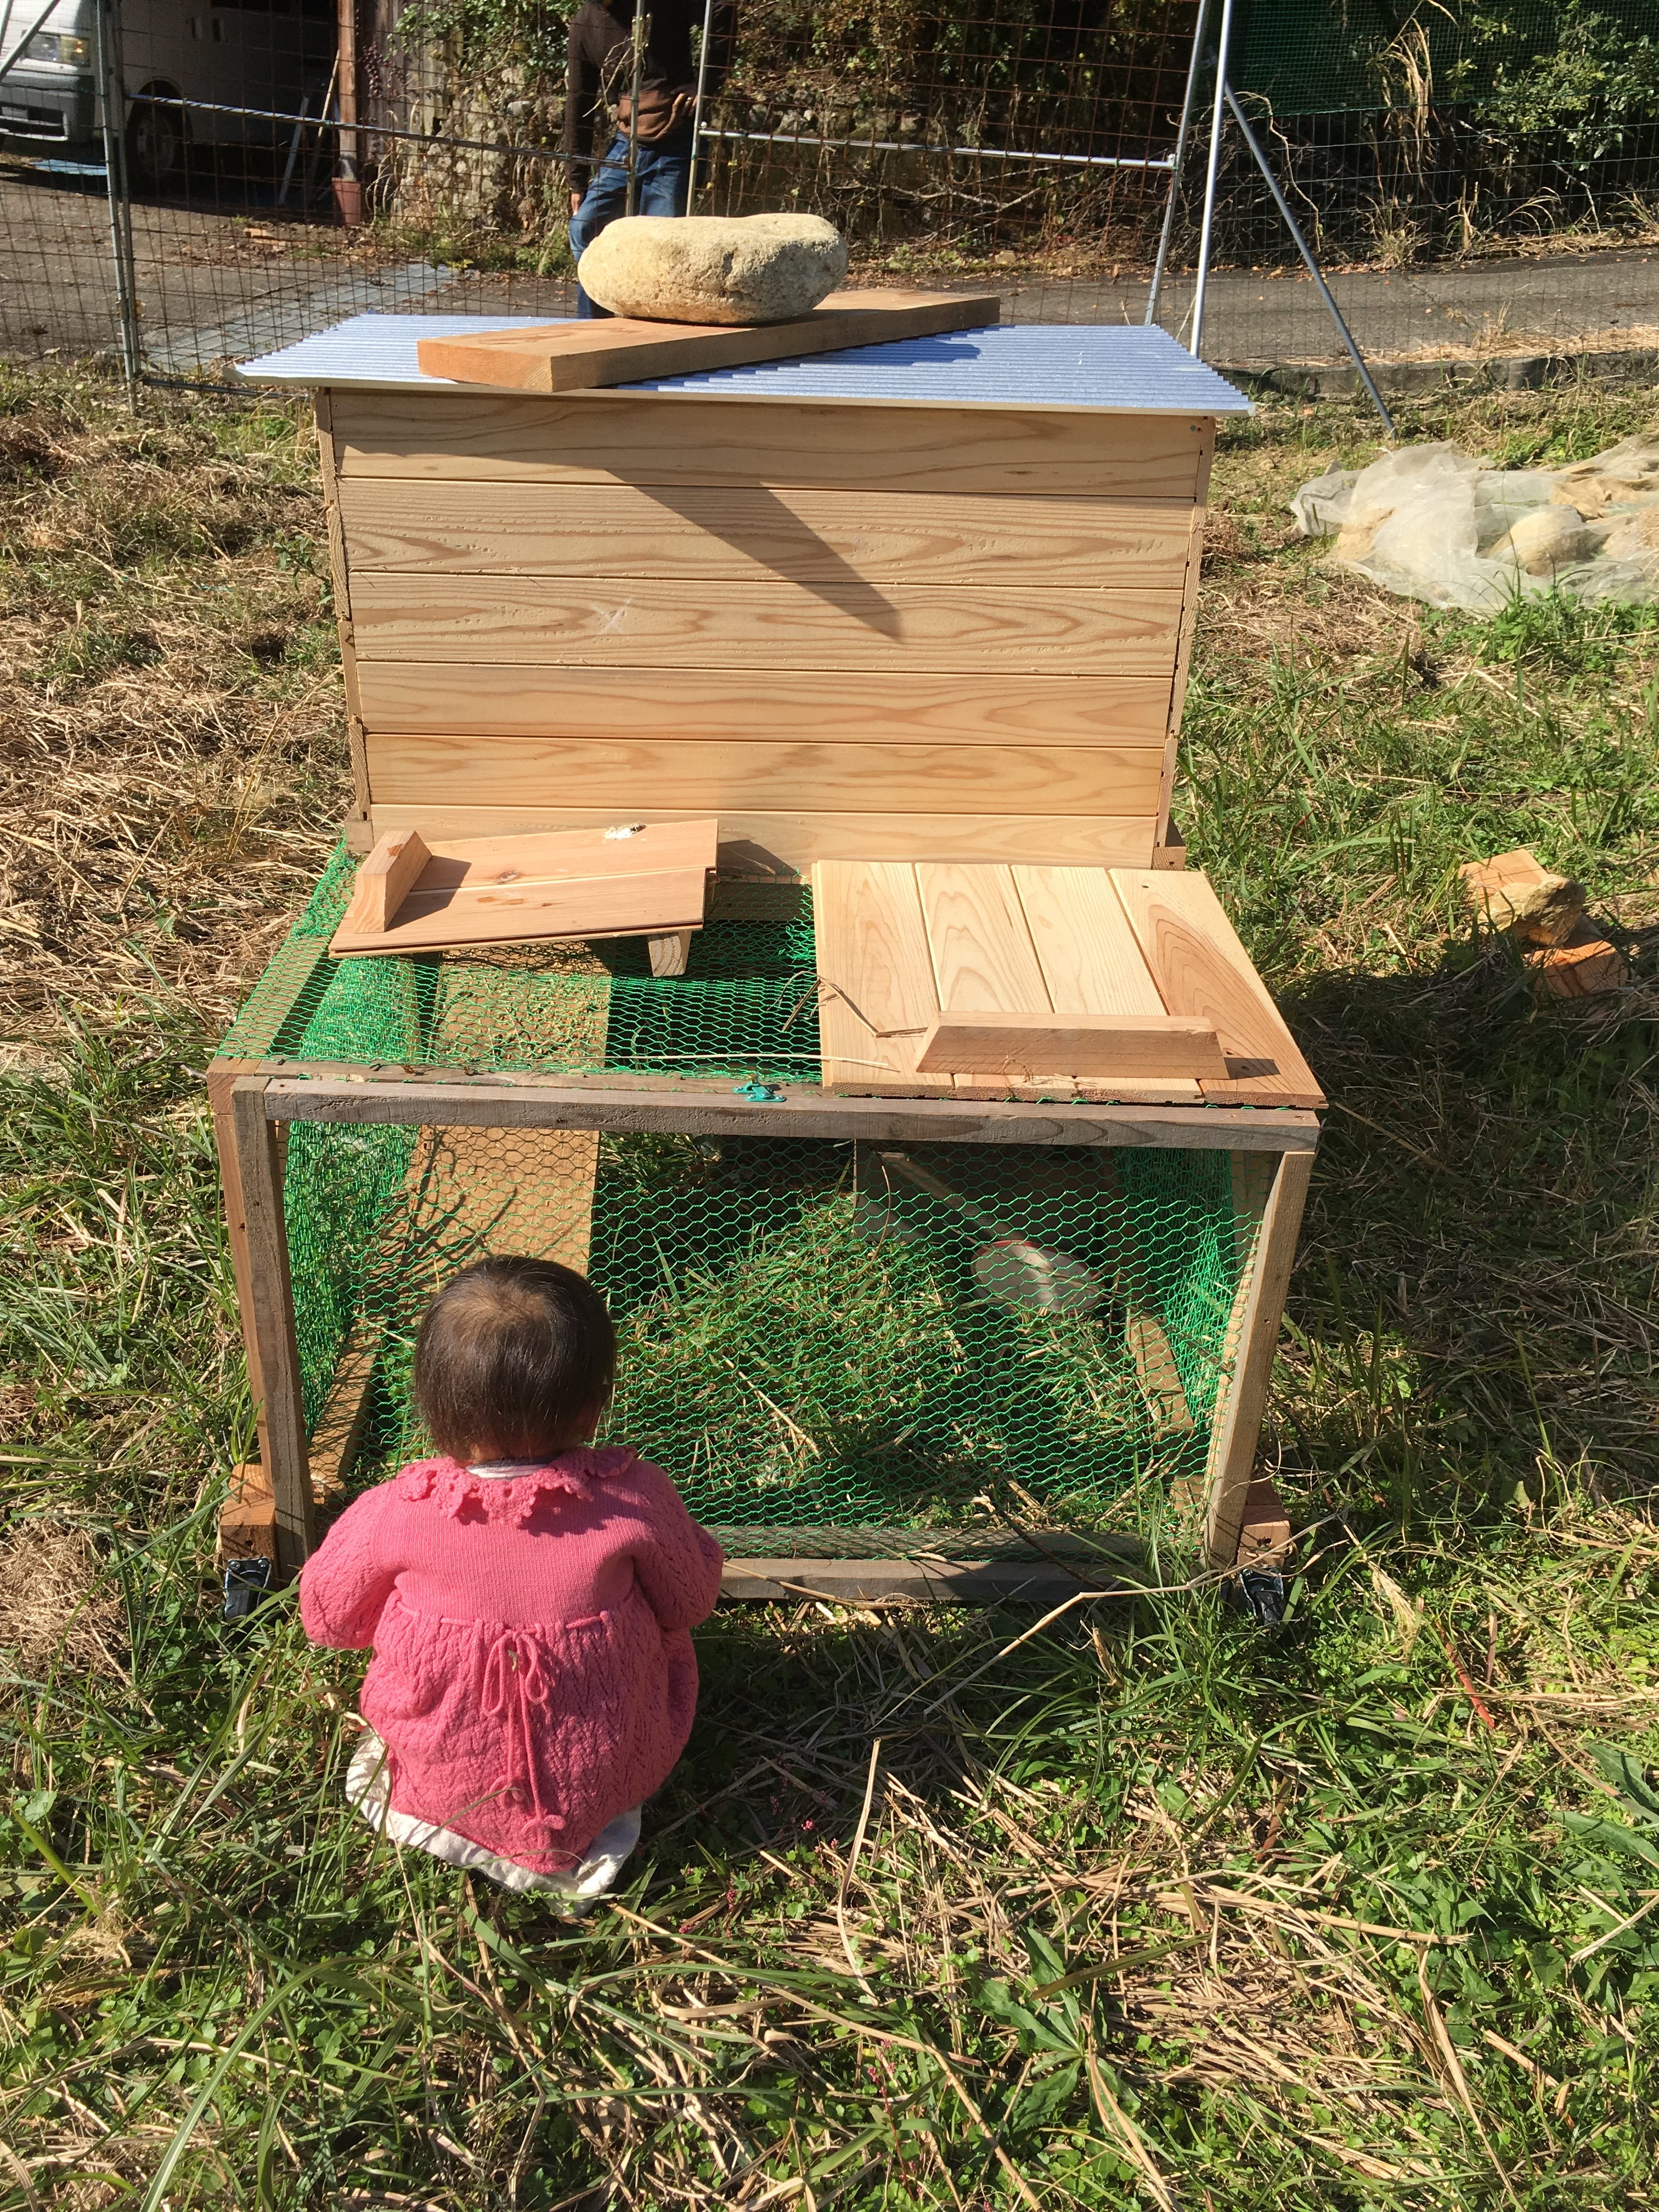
[1271, 1154]
[570, 1103]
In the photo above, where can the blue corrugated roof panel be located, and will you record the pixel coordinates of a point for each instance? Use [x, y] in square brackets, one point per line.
[374, 350]
[1129, 369]
[1003, 365]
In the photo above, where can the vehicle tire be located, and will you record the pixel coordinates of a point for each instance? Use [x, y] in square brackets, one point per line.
[155, 138]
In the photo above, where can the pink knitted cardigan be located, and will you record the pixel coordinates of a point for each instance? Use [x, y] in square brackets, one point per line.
[532, 1674]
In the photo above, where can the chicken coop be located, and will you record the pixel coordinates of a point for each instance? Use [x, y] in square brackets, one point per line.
[944, 1177]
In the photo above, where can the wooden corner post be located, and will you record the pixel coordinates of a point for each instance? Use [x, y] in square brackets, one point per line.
[268, 1319]
[1270, 1193]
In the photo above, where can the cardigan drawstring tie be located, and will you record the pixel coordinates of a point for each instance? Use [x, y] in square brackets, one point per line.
[515, 1679]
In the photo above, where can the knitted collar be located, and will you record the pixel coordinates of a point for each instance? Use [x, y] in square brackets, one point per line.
[456, 1491]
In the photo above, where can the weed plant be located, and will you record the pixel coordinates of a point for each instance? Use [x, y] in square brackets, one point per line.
[947, 1910]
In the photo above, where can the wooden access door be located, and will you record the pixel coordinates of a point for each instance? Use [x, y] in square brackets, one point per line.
[847, 629]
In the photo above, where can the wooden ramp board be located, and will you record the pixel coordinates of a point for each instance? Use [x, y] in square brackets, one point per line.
[415, 894]
[525, 1191]
[586, 356]
[336, 1440]
[902, 945]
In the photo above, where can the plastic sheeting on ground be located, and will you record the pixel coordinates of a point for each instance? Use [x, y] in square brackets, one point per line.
[1435, 523]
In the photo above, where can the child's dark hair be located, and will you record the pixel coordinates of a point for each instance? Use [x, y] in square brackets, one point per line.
[514, 1357]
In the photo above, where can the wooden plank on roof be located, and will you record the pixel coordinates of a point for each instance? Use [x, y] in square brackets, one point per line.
[652, 439]
[653, 623]
[579, 356]
[859, 707]
[787, 843]
[672, 771]
[961, 947]
[982, 950]
[1202, 969]
[702, 535]
[876, 994]
[984, 961]
[1091, 959]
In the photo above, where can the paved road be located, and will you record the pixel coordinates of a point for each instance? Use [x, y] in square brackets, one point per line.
[1598, 301]
[213, 285]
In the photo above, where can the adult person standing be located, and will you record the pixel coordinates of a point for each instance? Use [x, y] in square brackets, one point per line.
[599, 98]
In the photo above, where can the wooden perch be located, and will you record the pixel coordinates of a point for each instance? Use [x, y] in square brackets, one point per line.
[1084, 1044]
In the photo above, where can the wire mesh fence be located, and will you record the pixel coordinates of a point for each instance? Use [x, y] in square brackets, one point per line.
[823, 1333]
[1475, 185]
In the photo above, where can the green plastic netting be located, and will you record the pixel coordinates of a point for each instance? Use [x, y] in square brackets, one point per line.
[748, 1007]
[814, 1334]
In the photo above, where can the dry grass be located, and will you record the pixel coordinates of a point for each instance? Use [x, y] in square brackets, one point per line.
[171, 769]
[60, 1607]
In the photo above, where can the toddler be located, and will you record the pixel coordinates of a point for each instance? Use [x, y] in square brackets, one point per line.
[529, 1597]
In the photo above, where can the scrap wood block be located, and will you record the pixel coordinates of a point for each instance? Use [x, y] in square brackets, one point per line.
[434, 894]
[1580, 969]
[1264, 1541]
[577, 357]
[248, 1519]
[1514, 891]
[1087, 1044]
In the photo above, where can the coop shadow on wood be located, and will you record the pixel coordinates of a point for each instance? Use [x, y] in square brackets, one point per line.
[906, 1308]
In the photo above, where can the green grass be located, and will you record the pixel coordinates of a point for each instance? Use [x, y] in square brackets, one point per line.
[1149, 1907]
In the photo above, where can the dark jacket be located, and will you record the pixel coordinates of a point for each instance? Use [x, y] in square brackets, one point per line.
[601, 68]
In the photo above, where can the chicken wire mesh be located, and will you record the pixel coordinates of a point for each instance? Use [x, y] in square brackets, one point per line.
[747, 1006]
[824, 1334]
[833, 1334]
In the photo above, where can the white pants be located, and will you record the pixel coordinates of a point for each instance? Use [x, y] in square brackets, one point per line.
[369, 1787]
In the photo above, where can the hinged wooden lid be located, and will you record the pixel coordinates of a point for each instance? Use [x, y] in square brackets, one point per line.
[902, 945]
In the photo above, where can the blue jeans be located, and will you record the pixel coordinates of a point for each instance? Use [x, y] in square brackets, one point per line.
[663, 172]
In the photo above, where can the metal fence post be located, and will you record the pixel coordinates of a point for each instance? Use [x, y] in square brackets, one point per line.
[111, 116]
[1167, 231]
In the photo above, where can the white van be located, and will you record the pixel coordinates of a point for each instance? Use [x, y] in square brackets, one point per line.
[187, 66]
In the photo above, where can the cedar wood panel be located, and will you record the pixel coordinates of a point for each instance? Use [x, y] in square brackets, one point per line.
[928, 632]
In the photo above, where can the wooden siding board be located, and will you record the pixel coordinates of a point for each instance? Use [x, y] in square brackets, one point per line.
[855, 706]
[698, 534]
[787, 843]
[805, 776]
[644, 439]
[764, 627]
